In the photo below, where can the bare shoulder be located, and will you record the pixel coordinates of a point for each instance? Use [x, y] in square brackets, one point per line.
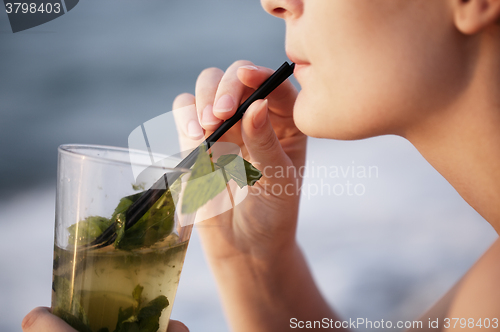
[478, 293]
[475, 297]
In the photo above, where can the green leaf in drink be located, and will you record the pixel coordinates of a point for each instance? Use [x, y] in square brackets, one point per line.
[141, 318]
[136, 294]
[88, 230]
[156, 224]
[240, 170]
[206, 182]
[203, 184]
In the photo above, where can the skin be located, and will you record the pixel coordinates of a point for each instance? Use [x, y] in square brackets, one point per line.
[41, 319]
[428, 71]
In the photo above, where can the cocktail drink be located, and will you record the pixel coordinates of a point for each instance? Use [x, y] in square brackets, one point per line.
[130, 283]
[111, 287]
[114, 275]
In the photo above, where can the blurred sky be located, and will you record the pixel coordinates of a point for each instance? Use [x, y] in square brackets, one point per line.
[96, 73]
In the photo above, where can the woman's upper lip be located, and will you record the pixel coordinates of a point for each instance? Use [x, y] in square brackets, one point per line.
[296, 60]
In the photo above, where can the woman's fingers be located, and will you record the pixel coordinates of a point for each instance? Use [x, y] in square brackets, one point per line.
[41, 320]
[176, 326]
[265, 150]
[230, 91]
[186, 120]
[206, 87]
[218, 95]
[281, 100]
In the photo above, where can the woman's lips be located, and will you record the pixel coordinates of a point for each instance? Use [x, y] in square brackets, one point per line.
[300, 64]
[299, 69]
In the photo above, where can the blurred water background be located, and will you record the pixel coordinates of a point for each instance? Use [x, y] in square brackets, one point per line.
[96, 73]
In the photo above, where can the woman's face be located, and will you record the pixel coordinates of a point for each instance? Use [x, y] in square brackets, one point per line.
[371, 67]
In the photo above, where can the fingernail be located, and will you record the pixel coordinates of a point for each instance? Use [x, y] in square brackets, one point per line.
[224, 104]
[194, 129]
[208, 117]
[249, 67]
[260, 117]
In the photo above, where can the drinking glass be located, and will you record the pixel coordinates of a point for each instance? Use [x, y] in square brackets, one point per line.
[129, 284]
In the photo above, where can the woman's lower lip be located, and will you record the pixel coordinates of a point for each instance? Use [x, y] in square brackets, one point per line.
[299, 68]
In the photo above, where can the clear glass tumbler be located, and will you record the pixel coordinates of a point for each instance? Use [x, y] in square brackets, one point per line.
[129, 284]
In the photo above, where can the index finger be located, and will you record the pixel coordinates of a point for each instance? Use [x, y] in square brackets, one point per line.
[230, 91]
[248, 78]
[186, 120]
[281, 100]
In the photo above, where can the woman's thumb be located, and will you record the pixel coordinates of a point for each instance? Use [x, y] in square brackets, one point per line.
[41, 320]
[262, 143]
[176, 326]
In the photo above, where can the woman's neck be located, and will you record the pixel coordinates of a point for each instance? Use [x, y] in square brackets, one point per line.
[463, 141]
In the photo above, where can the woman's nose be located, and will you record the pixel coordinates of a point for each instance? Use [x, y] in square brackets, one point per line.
[284, 9]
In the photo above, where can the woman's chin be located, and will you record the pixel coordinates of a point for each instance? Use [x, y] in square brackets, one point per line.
[319, 121]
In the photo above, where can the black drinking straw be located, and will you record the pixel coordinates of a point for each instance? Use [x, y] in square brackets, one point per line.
[147, 200]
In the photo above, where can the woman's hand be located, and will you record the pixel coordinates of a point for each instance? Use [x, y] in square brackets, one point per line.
[263, 225]
[262, 275]
[41, 320]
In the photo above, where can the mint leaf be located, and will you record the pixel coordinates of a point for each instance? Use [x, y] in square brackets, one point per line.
[240, 170]
[253, 174]
[154, 307]
[62, 288]
[149, 315]
[203, 184]
[123, 316]
[124, 204]
[206, 181]
[154, 225]
[139, 186]
[137, 293]
[87, 230]
[119, 229]
[176, 188]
